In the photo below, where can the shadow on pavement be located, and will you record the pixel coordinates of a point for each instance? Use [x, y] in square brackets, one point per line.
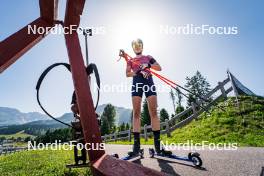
[166, 168]
[137, 161]
[262, 172]
[162, 160]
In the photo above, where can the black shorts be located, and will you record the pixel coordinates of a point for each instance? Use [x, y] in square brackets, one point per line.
[141, 84]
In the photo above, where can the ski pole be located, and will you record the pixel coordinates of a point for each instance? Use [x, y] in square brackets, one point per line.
[127, 58]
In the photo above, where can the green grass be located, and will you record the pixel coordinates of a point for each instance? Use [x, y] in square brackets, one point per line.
[244, 126]
[20, 144]
[39, 162]
[124, 142]
[20, 134]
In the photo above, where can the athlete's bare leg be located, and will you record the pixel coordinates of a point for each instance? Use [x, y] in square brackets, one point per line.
[152, 106]
[136, 101]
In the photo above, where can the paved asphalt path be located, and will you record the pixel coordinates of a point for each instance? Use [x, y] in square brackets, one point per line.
[245, 161]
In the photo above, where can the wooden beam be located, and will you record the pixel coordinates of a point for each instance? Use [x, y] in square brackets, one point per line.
[84, 98]
[20, 42]
[102, 164]
[48, 10]
[74, 9]
[110, 166]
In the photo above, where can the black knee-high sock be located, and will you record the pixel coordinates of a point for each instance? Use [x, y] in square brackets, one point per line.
[136, 146]
[157, 145]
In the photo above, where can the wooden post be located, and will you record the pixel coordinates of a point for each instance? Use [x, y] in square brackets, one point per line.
[115, 135]
[167, 127]
[194, 109]
[145, 132]
[129, 135]
[234, 87]
[105, 138]
[222, 88]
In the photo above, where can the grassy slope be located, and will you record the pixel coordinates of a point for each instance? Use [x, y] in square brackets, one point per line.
[246, 129]
[16, 135]
[39, 162]
[223, 127]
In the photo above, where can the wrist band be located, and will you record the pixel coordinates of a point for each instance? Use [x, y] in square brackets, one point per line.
[152, 61]
[149, 65]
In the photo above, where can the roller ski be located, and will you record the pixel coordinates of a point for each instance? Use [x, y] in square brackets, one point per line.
[137, 152]
[193, 157]
[161, 152]
[131, 155]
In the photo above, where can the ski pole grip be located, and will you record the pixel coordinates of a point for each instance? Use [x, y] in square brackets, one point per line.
[121, 53]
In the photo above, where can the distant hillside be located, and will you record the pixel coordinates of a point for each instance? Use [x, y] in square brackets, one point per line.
[35, 123]
[67, 118]
[20, 134]
[11, 116]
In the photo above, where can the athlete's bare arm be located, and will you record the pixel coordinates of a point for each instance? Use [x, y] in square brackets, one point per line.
[156, 66]
[129, 72]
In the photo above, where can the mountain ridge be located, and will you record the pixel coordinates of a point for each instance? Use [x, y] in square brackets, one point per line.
[12, 116]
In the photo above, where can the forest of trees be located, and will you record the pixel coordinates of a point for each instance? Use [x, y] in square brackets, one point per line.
[108, 119]
[197, 85]
[145, 117]
[35, 129]
[63, 134]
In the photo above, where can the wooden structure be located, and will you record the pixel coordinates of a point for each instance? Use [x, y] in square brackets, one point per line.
[13, 47]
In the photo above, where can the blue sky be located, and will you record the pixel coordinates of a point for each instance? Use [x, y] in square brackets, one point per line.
[179, 55]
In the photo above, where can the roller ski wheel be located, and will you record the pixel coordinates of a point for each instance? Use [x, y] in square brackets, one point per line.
[195, 158]
[151, 152]
[115, 155]
[197, 161]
